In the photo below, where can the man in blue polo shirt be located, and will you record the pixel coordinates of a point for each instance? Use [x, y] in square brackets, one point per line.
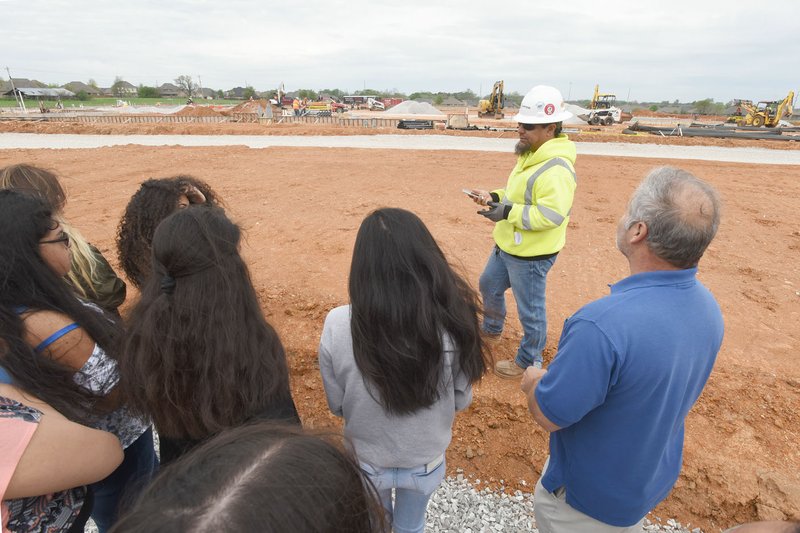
[629, 367]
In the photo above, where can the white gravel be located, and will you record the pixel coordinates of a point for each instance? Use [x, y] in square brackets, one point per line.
[458, 507]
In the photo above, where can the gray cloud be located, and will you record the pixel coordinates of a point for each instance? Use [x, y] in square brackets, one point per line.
[656, 51]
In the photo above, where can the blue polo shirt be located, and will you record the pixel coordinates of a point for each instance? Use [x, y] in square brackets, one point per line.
[628, 369]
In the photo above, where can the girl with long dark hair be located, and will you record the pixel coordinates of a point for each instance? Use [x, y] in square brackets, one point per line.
[199, 356]
[155, 200]
[90, 275]
[400, 360]
[262, 477]
[59, 346]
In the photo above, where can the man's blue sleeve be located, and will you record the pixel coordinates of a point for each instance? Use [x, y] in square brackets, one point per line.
[579, 378]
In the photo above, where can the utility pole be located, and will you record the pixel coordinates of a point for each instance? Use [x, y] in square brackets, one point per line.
[569, 93]
[200, 86]
[17, 97]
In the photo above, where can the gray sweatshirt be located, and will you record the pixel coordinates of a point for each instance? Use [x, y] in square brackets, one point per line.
[379, 438]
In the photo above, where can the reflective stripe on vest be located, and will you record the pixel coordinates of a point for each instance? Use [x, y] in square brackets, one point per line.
[548, 213]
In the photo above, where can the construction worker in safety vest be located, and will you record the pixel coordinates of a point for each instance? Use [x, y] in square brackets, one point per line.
[530, 218]
[296, 107]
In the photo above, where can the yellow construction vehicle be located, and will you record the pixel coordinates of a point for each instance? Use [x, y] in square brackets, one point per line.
[768, 113]
[493, 107]
[602, 109]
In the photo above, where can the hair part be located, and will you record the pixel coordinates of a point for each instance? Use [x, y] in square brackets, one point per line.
[260, 477]
[405, 298]
[682, 215]
[202, 346]
[155, 200]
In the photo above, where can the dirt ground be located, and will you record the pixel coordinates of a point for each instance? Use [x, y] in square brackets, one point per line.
[301, 207]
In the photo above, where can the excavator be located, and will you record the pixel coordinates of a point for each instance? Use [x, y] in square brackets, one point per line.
[767, 113]
[602, 108]
[493, 107]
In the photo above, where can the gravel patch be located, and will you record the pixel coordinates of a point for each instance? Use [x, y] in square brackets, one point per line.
[458, 507]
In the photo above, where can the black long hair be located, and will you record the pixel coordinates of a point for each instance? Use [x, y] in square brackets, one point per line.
[26, 281]
[260, 477]
[404, 297]
[155, 200]
[199, 355]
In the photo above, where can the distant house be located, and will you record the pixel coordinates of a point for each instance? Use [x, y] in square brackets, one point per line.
[125, 89]
[236, 92]
[168, 90]
[24, 82]
[78, 86]
[205, 92]
[38, 92]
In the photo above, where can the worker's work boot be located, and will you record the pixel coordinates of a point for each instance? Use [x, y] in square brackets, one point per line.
[508, 369]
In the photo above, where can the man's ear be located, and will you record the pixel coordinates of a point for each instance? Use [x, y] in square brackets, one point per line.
[638, 232]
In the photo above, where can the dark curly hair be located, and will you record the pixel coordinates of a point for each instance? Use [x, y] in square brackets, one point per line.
[155, 200]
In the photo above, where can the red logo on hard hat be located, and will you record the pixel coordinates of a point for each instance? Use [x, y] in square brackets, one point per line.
[549, 109]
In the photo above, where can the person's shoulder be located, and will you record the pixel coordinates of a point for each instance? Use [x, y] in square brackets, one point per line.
[338, 317]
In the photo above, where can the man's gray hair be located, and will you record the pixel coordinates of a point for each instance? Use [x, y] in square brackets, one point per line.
[681, 213]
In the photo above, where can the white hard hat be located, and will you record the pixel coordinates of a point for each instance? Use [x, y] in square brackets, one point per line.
[542, 105]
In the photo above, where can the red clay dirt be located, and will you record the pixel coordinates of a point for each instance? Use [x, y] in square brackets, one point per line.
[301, 207]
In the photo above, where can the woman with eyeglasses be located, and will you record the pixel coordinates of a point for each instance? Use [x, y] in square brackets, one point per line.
[90, 275]
[59, 345]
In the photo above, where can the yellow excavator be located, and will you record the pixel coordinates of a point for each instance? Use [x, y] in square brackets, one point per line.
[493, 107]
[767, 113]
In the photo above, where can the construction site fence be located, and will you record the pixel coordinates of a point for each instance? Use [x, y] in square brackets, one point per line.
[373, 122]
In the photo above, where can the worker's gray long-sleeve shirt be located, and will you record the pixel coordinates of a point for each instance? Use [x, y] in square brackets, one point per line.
[379, 438]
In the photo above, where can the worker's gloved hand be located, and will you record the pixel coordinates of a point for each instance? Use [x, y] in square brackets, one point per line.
[496, 211]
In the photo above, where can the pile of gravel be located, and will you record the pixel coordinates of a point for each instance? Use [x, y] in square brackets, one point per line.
[458, 507]
[410, 107]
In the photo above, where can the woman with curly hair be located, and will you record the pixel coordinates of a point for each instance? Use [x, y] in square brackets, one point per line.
[199, 356]
[155, 200]
[59, 347]
[90, 275]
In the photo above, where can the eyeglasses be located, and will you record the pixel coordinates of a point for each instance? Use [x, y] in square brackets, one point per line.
[528, 127]
[62, 238]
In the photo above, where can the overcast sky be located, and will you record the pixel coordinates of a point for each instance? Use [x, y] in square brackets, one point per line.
[645, 50]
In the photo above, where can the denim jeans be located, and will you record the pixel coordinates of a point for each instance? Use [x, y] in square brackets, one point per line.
[412, 490]
[527, 280]
[138, 467]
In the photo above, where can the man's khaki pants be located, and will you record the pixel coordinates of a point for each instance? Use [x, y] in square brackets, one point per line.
[555, 515]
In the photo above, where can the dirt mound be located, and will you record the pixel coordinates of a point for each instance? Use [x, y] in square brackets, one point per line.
[197, 111]
[251, 106]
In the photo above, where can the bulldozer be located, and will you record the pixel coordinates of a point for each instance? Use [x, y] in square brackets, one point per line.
[493, 107]
[767, 113]
[603, 109]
